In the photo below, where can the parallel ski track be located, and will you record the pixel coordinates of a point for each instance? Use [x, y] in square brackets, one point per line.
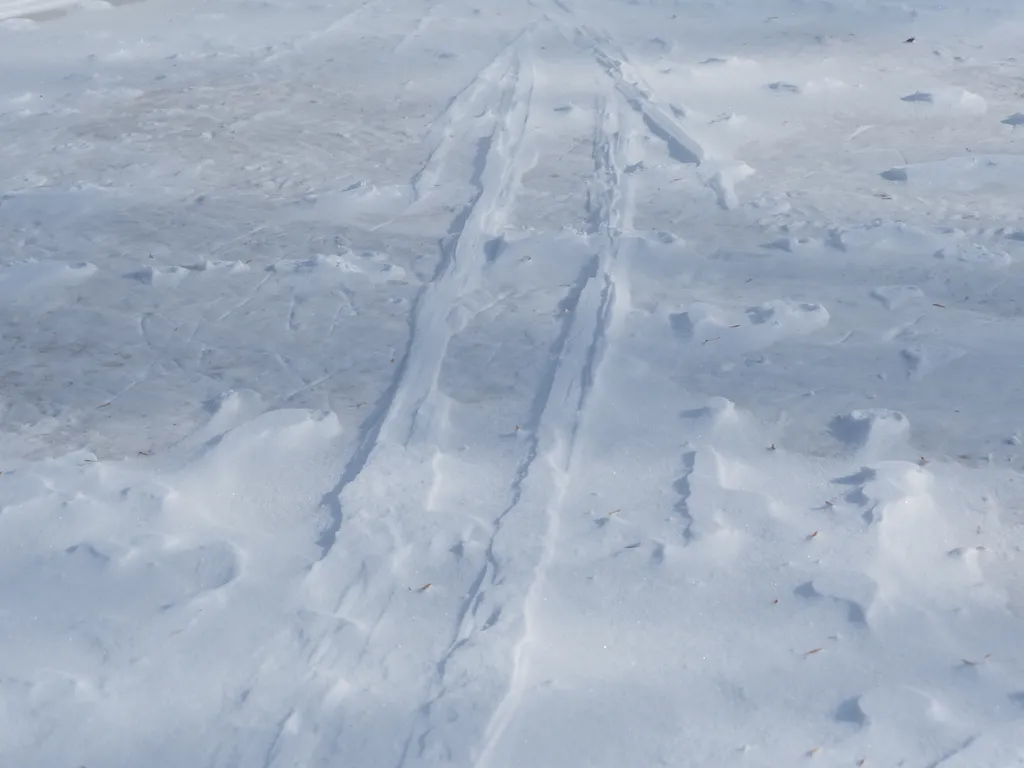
[662, 123]
[682, 147]
[412, 415]
[497, 175]
[345, 21]
[458, 272]
[449, 125]
[508, 583]
[603, 295]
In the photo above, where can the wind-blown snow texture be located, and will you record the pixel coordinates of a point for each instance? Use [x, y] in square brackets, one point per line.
[399, 383]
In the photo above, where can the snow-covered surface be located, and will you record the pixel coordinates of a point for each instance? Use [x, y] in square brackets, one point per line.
[549, 384]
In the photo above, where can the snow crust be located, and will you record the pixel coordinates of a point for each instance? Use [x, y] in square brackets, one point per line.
[549, 384]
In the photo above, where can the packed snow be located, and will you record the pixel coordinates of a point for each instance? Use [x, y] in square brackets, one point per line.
[547, 383]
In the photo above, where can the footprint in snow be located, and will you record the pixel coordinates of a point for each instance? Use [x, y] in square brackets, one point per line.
[894, 174]
[870, 430]
[920, 97]
[897, 296]
[757, 327]
[974, 254]
[950, 99]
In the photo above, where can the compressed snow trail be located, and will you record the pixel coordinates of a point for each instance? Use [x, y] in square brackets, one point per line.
[413, 412]
[413, 421]
[602, 303]
[518, 547]
[448, 130]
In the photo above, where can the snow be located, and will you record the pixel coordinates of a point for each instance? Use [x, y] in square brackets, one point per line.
[393, 383]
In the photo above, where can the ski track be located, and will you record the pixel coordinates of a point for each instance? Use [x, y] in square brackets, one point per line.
[470, 231]
[602, 301]
[344, 22]
[682, 147]
[717, 170]
[353, 585]
[446, 130]
[462, 259]
[497, 172]
[412, 414]
[425, 21]
[415, 416]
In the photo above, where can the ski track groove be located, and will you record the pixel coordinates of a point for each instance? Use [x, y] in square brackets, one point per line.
[369, 438]
[410, 408]
[599, 293]
[412, 411]
[463, 257]
[429, 335]
[344, 21]
[422, 23]
[459, 273]
[682, 147]
[556, 415]
[442, 133]
[490, 573]
[241, 305]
